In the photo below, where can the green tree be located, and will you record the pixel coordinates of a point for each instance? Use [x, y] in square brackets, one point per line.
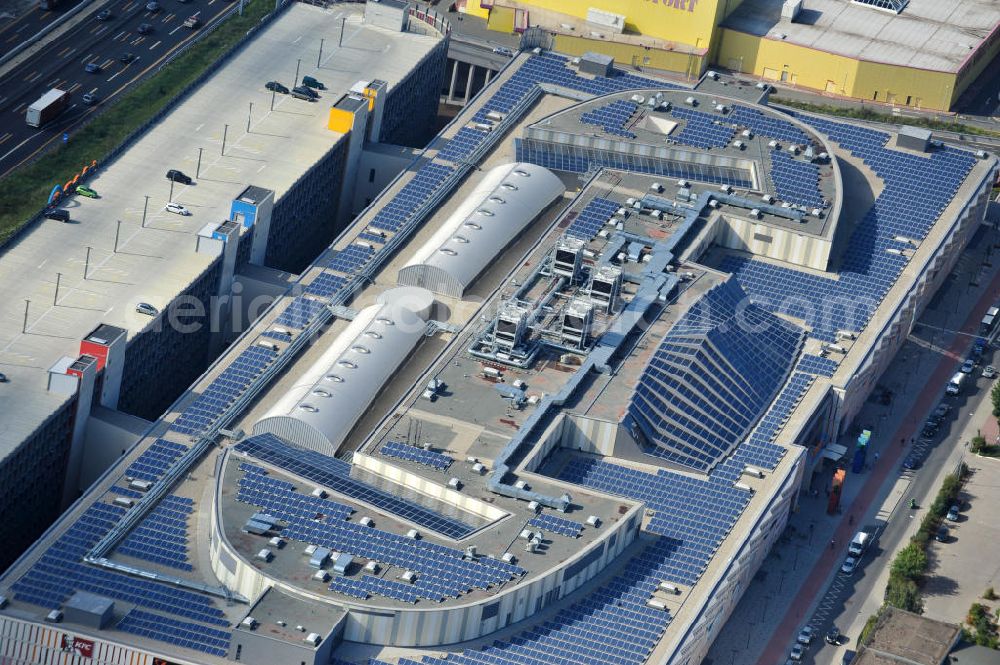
[904, 594]
[995, 397]
[910, 563]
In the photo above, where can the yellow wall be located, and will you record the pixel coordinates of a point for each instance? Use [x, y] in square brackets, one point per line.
[501, 19]
[689, 22]
[798, 65]
[474, 8]
[340, 120]
[630, 54]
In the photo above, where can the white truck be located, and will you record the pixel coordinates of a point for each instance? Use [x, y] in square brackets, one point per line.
[859, 543]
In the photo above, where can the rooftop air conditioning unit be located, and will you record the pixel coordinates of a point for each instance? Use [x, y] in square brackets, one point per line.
[366, 521]
[753, 471]
[669, 588]
[721, 108]
[767, 198]
[413, 533]
[982, 154]
[755, 213]
[739, 145]
[762, 86]
[455, 484]
[728, 189]
[683, 183]
[744, 487]
[656, 187]
[846, 334]
[265, 555]
[371, 567]
[530, 547]
[319, 492]
[712, 74]
[526, 534]
[594, 521]
[470, 551]
[409, 577]
[712, 203]
[747, 134]
[817, 212]
[471, 460]
[656, 604]
[521, 485]
[313, 639]
[249, 623]
[691, 101]
[321, 576]
[508, 558]
[533, 506]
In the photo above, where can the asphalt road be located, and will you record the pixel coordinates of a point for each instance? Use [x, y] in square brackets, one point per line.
[14, 31]
[61, 64]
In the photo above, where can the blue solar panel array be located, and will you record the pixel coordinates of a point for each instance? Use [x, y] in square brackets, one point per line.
[701, 130]
[559, 525]
[182, 633]
[280, 336]
[677, 400]
[155, 461]
[336, 475]
[224, 390]
[400, 209]
[612, 117]
[817, 365]
[369, 585]
[464, 143]
[442, 571]
[795, 180]
[765, 125]
[59, 573]
[419, 455]
[352, 258]
[299, 312]
[590, 220]
[162, 535]
[325, 285]
[371, 237]
[916, 191]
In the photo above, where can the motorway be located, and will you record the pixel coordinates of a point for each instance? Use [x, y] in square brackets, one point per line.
[61, 63]
[16, 29]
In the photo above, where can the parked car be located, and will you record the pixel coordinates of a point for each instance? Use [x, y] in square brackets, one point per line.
[276, 87]
[797, 652]
[178, 209]
[503, 50]
[952, 515]
[805, 635]
[146, 308]
[311, 82]
[305, 90]
[298, 94]
[929, 431]
[144, 29]
[977, 349]
[57, 214]
[849, 566]
[152, 6]
[192, 22]
[967, 366]
[179, 176]
[989, 372]
[89, 98]
[126, 58]
[3, 378]
[92, 68]
[942, 534]
[83, 190]
[833, 636]
[104, 15]
[912, 462]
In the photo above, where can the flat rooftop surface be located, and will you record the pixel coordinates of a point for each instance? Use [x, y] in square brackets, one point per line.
[157, 262]
[903, 637]
[927, 34]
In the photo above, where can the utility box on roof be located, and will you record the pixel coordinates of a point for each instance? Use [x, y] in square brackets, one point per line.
[90, 610]
[597, 64]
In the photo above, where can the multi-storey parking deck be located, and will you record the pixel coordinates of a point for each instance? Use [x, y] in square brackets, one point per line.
[516, 412]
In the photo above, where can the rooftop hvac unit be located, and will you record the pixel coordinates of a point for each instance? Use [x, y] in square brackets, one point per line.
[669, 588]
[319, 492]
[276, 542]
[982, 154]
[483, 126]
[834, 348]
[495, 116]
[366, 521]
[691, 101]
[530, 547]
[471, 460]
[773, 145]
[124, 502]
[455, 484]
[656, 187]
[621, 212]
[249, 623]
[683, 183]
[739, 145]
[519, 384]
[310, 550]
[413, 533]
[141, 485]
[893, 250]
[727, 188]
[526, 534]
[721, 108]
[755, 213]
[508, 557]
[569, 258]
[321, 576]
[846, 334]
[656, 604]
[793, 149]
[823, 156]
[767, 198]
[762, 86]
[55, 616]
[753, 471]
[319, 557]
[747, 134]
[408, 576]
[712, 203]
[265, 555]
[479, 468]
[470, 551]
[638, 99]
[371, 567]
[534, 506]
[577, 319]
[817, 212]
[521, 485]
[809, 152]
[313, 639]
[510, 325]
[594, 521]
[744, 487]
[712, 74]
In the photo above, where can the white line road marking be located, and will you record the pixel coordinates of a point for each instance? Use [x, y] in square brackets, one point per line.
[18, 146]
[86, 58]
[297, 39]
[198, 128]
[42, 264]
[154, 45]
[175, 29]
[119, 35]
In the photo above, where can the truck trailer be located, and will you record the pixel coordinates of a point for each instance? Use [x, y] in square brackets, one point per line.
[47, 107]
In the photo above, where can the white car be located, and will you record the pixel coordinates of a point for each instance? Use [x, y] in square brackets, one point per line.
[805, 635]
[796, 653]
[147, 309]
[178, 209]
[850, 563]
[503, 50]
[989, 372]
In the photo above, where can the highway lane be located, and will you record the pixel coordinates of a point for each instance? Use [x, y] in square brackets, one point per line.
[14, 31]
[62, 64]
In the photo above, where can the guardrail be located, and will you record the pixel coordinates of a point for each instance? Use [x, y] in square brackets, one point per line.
[27, 43]
[129, 140]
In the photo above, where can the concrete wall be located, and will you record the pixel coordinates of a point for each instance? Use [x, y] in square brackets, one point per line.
[748, 235]
[376, 169]
[411, 109]
[109, 435]
[23, 643]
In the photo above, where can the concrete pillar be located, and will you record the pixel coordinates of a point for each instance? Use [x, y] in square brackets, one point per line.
[451, 87]
[489, 75]
[468, 84]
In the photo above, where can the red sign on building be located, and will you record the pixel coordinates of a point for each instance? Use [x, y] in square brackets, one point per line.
[78, 645]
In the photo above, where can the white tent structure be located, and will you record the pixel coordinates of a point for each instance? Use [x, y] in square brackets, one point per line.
[324, 404]
[504, 203]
